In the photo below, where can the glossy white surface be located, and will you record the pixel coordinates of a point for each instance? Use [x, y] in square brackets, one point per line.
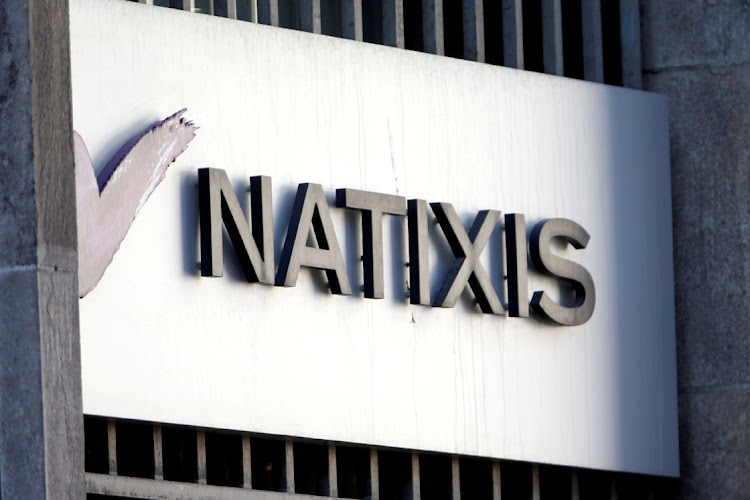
[161, 343]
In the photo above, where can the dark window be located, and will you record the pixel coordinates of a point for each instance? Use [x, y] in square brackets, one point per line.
[224, 459]
[179, 454]
[135, 449]
[372, 21]
[330, 17]
[268, 463]
[311, 469]
[453, 28]
[413, 25]
[353, 471]
[572, 28]
[436, 477]
[611, 43]
[533, 59]
[594, 484]
[555, 483]
[493, 32]
[476, 479]
[96, 444]
[516, 481]
[394, 475]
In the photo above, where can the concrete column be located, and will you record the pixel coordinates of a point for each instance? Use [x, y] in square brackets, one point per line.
[333, 472]
[200, 437]
[41, 418]
[289, 454]
[698, 53]
[247, 470]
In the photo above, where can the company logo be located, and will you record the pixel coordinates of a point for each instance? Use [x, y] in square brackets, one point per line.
[310, 216]
[108, 203]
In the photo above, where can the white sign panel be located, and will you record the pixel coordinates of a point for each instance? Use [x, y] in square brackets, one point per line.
[162, 343]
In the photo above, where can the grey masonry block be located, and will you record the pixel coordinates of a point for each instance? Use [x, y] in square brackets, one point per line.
[21, 443]
[694, 32]
[709, 123]
[38, 360]
[61, 381]
[17, 211]
[715, 444]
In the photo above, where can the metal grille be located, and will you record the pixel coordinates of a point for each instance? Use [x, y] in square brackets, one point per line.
[594, 40]
[127, 459]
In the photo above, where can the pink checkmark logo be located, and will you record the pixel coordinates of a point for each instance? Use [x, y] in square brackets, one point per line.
[108, 203]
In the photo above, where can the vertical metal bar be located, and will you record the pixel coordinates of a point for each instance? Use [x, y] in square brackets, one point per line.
[630, 43]
[289, 448]
[432, 27]
[247, 465]
[158, 454]
[201, 447]
[416, 488]
[112, 447]
[474, 30]
[535, 494]
[351, 19]
[591, 22]
[309, 16]
[456, 479]
[333, 472]
[374, 476]
[393, 23]
[268, 12]
[552, 41]
[254, 11]
[513, 34]
[575, 492]
[496, 492]
[232, 9]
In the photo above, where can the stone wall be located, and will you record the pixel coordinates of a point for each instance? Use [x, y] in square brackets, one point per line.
[698, 53]
[41, 421]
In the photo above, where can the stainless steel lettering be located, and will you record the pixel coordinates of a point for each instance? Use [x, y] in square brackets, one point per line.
[419, 264]
[373, 206]
[310, 217]
[467, 268]
[570, 272]
[218, 204]
[515, 251]
[310, 211]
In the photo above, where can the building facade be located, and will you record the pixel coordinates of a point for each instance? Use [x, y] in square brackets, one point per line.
[695, 54]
